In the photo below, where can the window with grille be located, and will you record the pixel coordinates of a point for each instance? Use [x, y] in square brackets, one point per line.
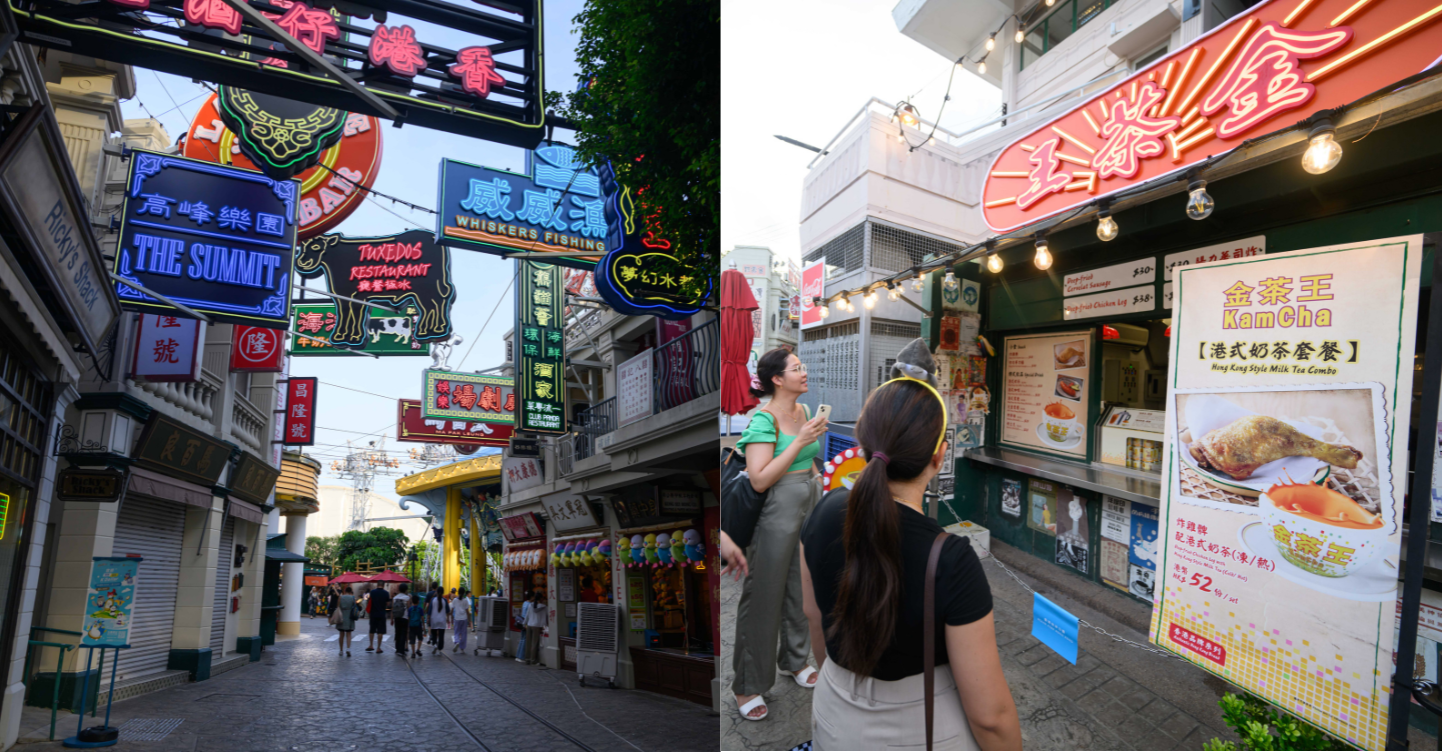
[25, 401]
[894, 249]
[843, 253]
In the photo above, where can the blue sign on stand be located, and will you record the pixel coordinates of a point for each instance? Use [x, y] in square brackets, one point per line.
[110, 602]
[1056, 628]
[218, 239]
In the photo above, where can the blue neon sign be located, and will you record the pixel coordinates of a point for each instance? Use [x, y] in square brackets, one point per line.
[218, 239]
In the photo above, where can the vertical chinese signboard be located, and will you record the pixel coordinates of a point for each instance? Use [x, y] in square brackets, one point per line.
[1285, 465]
[541, 356]
[168, 348]
[299, 419]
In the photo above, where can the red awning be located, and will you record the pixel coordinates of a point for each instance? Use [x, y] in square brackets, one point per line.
[150, 483]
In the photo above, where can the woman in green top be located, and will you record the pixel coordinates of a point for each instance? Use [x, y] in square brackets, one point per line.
[780, 444]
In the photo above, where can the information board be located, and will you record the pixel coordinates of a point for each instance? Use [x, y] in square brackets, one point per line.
[1045, 391]
[110, 601]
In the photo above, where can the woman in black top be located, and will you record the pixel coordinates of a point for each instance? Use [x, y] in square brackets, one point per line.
[864, 555]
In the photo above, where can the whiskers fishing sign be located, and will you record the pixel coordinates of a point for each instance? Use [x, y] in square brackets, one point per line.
[217, 239]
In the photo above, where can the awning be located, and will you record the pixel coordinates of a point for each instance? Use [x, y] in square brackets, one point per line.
[246, 511]
[151, 483]
[280, 554]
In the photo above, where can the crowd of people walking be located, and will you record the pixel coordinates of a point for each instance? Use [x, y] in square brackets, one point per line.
[415, 618]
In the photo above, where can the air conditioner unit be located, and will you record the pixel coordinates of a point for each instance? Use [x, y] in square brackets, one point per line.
[495, 616]
[598, 641]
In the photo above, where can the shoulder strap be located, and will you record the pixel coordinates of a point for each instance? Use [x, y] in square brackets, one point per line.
[929, 632]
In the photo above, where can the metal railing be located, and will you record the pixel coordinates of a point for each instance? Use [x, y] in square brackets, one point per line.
[63, 647]
[687, 367]
[593, 423]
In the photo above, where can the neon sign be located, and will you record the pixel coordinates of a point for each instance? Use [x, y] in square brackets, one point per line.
[4, 514]
[408, 268]
[1275, 65]
[217, 239]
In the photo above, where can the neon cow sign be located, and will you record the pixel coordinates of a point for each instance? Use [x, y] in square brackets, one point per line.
[1279, 63]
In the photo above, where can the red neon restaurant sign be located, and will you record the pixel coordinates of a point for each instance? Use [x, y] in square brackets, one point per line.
[1263, 70]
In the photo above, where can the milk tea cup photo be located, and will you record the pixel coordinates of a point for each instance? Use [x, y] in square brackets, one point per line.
[1060, 422]
[1321, 531]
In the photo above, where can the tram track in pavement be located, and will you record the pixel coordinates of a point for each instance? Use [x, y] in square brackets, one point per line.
[553, 727]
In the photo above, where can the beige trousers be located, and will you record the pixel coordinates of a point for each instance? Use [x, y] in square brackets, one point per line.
[770, 608]
[856, 712]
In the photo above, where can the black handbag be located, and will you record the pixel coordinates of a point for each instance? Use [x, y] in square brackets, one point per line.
[740, 503]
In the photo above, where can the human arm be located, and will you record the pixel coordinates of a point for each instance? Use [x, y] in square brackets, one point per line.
[813, 613]
[976, 666]
[734, 558]
[764, 467]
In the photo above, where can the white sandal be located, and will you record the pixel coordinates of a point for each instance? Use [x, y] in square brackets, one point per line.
[804, 677]
[756, 701]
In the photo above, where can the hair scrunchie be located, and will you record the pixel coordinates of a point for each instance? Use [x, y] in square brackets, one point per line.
[885, 460]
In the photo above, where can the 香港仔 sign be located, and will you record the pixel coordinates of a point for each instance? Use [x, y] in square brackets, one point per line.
[1265, 69]
[217, 239]
[1284, 468]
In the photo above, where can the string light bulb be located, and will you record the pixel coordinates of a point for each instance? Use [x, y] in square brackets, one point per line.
[1199, 202]
[1020, 33]
[981, 66]
[893, 291]
[1050, 3]
[869, 299]
[908, 115]
[1106, 226]
[1043, 253]
[918, 284]
[994, 263]
[825, 311]
[1324, 152]
[950, 283]
[991, 43]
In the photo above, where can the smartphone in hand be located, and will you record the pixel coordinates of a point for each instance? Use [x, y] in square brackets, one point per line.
[824, 411]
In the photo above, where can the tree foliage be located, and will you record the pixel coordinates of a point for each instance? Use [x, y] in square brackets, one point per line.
[322, 550]
[1261, 727]
[380, 546]
[652, 106]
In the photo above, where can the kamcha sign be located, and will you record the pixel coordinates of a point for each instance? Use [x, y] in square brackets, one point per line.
[468, 396]
[1267, 68]
[387, 333]
[217, 239]
[408, 268]
[411, 425]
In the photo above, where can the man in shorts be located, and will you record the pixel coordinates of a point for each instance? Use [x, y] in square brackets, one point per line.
[380, 602]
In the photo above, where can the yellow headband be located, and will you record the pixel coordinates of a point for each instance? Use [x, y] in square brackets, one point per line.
[931, 389]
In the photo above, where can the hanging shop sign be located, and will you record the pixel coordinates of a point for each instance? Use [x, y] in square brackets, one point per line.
[641, 281]
[387, 333]
[177, 450]
[468, 396]
[1264, 69]
[281, 137]
[90, 484]
[299, 419]
[43, 202]
[167, 348]
[569, 512]
[489, 89]
[329, 191]
[521, 527]
[110, 601]
[408, 268]
[257, 349]
[529, 448]
[1244, 248]
[217, 239]
[813, 285]
[541, 357]
[1044, 398]
[1284, 470]
[523, 473]
[558, 206]
[680, 501]
[412, 425]
[635, 389]
[253, 479]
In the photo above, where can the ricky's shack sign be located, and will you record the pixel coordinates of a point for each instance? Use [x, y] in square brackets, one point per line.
[217, 239]
[1265, 69]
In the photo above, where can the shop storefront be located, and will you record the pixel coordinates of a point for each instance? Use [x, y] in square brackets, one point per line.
[579, 562]
[525, 563]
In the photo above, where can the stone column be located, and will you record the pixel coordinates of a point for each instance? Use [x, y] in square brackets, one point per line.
[292, 574]
[195, 598]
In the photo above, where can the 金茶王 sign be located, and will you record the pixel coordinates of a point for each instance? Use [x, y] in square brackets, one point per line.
[541, 354]
[1284, 468]
[217, 239]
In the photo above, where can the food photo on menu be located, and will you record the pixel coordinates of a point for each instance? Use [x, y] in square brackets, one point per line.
[1069, 387]
[1302, 463]
[1071, 355]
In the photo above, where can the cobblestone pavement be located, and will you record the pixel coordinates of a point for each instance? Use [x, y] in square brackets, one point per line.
[300, 697]
[1115, 697]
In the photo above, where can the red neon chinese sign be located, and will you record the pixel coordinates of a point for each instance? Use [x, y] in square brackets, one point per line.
[1263, 70]
[299, 421]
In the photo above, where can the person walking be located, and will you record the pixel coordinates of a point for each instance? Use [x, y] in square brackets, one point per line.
[378, 608]
[866, 554]
[535, 621]
[416, 629]
[460, 621]
[521, 622]
[437, 616]
[345, 612]
[400, 614]
[780, 444]
[310, 604]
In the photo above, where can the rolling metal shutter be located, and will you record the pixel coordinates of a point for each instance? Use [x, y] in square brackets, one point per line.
[154, 529]
[223, 561]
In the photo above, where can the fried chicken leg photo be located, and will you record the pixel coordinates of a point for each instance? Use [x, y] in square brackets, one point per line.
[1244, 445]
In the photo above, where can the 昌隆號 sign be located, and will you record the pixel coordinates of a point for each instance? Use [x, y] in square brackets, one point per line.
[217, 239]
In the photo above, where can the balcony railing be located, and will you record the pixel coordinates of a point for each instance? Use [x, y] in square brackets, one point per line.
[593, 423]
[687, 367]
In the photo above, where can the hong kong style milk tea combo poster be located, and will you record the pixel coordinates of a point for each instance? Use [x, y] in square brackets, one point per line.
[1286, 439]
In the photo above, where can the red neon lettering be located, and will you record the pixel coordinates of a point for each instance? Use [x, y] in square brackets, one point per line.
[1265, 80]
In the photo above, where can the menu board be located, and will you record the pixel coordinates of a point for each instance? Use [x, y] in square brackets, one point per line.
[1045, 391]
[1284, 467]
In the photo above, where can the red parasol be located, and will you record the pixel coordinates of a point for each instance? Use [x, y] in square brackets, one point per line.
[737, 303]
[389, 576]
[350, 577]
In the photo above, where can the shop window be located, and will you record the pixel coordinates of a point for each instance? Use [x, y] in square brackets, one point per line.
[22, 435]
[1149, 58]
[1063, 21]
[1133, 394]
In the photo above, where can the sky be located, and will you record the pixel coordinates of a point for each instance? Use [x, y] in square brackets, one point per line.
[801, 69]
[357, 395]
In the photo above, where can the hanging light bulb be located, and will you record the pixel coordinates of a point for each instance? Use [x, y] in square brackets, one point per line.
[1020, 33]
[1106, 226]
[1050, 3]
[981, 66]
[893, 291]
[869, 299]
[1324, 152]
[950, 282]
[825, 311]
[1199, 202]
[1043, 253]
[994, 264]
[991, 43]
[908, 115]
[918, 284]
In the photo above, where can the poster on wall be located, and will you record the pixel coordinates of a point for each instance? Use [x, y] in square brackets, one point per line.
[1114, 563]
[1011, 497]
[1045, 391]
[813, 284]
[1115, 520]
[1073, 539]
[1043, 506]
[110, 600]
[1284, 470]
